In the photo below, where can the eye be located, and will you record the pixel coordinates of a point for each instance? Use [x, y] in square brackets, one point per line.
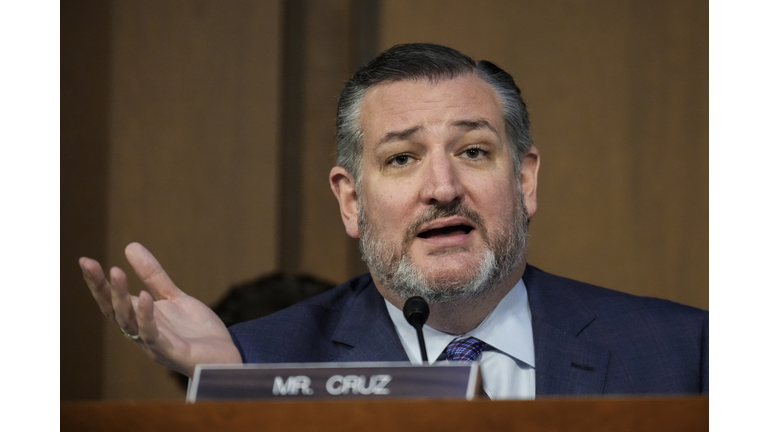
[400, 160]
[474, 153]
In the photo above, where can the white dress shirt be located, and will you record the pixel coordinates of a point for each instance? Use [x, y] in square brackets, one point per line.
[507, 365]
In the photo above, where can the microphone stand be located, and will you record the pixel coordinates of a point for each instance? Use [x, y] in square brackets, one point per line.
[416, 311]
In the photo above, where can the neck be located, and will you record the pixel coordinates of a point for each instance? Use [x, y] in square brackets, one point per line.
[461, 316]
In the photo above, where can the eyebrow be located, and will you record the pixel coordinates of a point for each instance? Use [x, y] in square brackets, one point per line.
[398, 135]
[468, 125]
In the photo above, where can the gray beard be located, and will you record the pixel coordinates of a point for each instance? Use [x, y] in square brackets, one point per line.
[397, 272]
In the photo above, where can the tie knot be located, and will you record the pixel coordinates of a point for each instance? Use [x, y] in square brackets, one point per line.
[464, 349]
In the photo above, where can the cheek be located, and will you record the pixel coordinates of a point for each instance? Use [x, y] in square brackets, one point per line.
[493, 190]
[390, 212]
[385, 209]
[390, 203]
[496, 201]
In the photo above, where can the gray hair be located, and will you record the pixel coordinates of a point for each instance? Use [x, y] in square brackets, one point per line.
[433, 63]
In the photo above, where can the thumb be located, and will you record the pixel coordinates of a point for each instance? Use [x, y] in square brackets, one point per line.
[151, 273]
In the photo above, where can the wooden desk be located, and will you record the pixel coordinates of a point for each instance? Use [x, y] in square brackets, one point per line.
[583, 414]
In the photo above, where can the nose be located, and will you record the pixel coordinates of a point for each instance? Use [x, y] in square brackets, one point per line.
[441, 181]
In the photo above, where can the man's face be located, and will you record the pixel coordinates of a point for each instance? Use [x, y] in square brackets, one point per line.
[440, 213]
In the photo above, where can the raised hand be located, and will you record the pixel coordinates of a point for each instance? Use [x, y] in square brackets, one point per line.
[172, 328]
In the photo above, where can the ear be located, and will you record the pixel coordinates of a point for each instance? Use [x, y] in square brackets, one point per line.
[529, 173]
[343, 186]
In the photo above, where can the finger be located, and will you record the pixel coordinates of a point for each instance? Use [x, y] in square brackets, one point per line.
[98, 285]
[156, 345]
[145, 317]
[150, 272]
[122, 304]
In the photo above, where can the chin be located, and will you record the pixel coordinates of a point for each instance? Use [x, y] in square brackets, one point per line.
[450, 273]
[444, 280]
[449, 261]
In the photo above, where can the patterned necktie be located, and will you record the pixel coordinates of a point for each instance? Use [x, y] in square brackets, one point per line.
[464, 349]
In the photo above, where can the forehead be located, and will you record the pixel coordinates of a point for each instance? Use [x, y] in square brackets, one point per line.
[401, 105]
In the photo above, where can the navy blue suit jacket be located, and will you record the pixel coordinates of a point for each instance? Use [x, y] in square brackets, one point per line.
[587, 340]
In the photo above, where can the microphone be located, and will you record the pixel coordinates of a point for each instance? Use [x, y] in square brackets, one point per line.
[416, 311]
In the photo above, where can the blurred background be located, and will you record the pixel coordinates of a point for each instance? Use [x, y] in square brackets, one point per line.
[205, 131]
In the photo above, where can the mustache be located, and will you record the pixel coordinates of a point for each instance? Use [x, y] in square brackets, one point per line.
[454, 208]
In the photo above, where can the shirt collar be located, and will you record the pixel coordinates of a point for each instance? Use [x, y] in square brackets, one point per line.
[507, 329]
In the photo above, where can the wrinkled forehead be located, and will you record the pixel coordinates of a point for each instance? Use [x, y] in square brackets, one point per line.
[394, 106]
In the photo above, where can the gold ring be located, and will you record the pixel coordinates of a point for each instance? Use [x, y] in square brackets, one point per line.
[128, 335]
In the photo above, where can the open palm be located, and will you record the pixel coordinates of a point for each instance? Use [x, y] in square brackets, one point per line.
[173, 328]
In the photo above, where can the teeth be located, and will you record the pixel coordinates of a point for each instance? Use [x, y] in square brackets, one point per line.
[446, 230]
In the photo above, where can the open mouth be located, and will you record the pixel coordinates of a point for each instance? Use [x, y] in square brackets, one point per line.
[448, 231]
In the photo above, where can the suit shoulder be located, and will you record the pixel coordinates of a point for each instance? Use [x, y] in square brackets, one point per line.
[604, 301]
[329, 302]
[647, 345]
[305, 325]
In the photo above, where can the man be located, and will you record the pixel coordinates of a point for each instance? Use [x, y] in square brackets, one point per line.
[436, 174]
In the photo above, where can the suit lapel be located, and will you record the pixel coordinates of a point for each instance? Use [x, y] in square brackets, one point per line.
[366, 332]
[565, 364]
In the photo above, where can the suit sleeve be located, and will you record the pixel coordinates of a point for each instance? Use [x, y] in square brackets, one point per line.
[237, 344]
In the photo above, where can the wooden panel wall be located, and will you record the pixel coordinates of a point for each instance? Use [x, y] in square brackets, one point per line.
[84, 136]
[324, 251]
[193, 155]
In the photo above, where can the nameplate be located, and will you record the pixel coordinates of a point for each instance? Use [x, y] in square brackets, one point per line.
[376, 380]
